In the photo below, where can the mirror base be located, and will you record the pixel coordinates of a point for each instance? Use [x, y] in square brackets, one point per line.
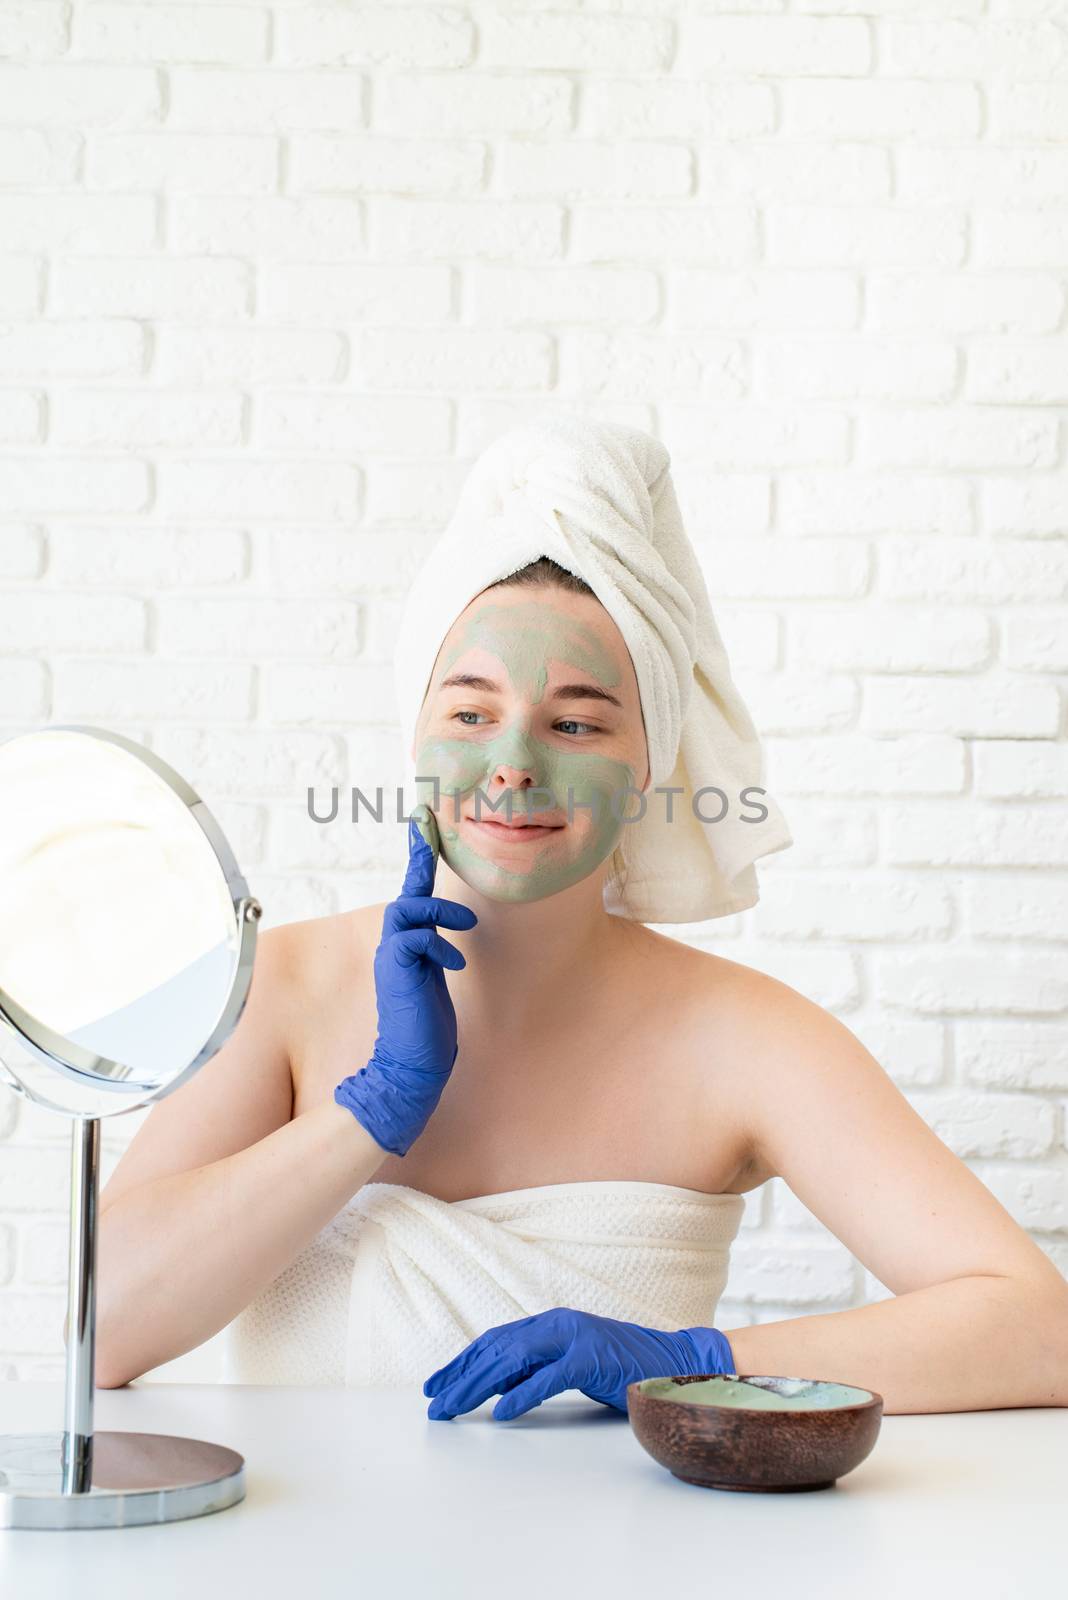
[136, 1478]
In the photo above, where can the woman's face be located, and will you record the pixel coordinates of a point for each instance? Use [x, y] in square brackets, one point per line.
[532, 708]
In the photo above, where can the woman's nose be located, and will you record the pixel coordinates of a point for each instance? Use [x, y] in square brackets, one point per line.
[513, 777]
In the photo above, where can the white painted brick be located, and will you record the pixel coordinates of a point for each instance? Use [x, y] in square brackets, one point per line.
[720, 236]
[342, 694]
[870, 108]
[267, 225]
[488, 105]
[801, 174]
[242, 761]
[989, 1125]
[20, 286]
[815, 907]
[24, 694]
[787, 1272]
[34, 1177]
[128, 32]
[957, 437]
[7, 1253]
[237, 628]
[795, 703]
[941, 982]
[889, 639]
[1032, 111]
[64, 484]
[910, 1051]
[632, 364]
[480, 418]
[672, 107]
[43, 1254]
[71, 349]
[851, 763]
[377, 292]
[1023, 374]
[1016, 906]
[780, 46]
[752, 436]
[761, 301]
[1019, 238]
[242, 488]
[38, 158]
[548, 40]
[716, 504]
[972, 49]
[1012, 1055]
[752, 639]
[759, 568]
[298, 841]
[1036, 1196]
[21, 417]
[21, 551]
[241, 163]
[973, 569]
[1035, 641]
[858, 369]
[920, 705]
[422, 492]
[592, 169]
[867, 236]
[983, 174]
[965, 302]
[1017, 507]
[79, 95]
[498, 296]
[495, 230]
[33, 1323]
[100, 691]
[867, 503]
[249, 355]
[70, 221]
[144, 418]
[385, 37]
[1007, 769]
[217, 100]
[33, 32]
[145, 557]
[351, 424]
[346, 164]
[194, 289]
[983, 836]
[448, 359]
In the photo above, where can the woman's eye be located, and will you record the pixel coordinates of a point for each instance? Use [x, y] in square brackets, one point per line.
[458, 714]
[570, 721]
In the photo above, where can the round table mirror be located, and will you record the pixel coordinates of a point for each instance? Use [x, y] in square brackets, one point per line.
[127, 939]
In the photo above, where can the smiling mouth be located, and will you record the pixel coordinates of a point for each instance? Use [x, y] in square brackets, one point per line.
[516, 833]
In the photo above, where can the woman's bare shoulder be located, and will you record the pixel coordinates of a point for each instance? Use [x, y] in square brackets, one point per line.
[316, 947]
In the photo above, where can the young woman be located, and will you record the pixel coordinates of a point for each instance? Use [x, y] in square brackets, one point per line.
[570, 1051]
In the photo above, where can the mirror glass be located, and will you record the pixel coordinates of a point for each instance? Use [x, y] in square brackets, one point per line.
[119, 933]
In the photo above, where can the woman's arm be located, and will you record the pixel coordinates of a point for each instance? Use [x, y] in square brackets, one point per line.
[980, 1318]
[179, 1257]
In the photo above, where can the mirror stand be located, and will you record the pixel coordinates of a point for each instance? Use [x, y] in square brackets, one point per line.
[82, 1479]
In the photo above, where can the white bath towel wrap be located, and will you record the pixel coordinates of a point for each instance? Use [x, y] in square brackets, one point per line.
[399, 1282]
[598, 498]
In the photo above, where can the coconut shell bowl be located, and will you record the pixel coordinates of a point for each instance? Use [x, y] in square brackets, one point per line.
[762, 1434]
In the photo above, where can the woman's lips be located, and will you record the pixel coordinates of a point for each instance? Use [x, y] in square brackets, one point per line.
[523, 834]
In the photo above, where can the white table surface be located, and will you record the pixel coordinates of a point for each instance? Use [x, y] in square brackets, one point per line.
[352, 1488]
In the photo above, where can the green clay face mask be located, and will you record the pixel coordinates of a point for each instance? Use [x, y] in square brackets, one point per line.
[524, 638]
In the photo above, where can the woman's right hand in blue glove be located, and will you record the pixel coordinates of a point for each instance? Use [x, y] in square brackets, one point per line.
[395, 1094]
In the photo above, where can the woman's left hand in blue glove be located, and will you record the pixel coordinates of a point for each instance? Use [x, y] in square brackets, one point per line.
[528, 1360]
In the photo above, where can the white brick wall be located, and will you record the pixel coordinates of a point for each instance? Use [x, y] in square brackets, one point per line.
[271, 275]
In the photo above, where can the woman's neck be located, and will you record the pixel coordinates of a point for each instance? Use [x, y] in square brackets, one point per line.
[526, 955]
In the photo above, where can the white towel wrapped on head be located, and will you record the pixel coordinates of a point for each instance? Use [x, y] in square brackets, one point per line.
[598, 499]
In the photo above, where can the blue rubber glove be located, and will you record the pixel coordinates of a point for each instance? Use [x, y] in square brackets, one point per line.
[396, 1093]
[528, 1360]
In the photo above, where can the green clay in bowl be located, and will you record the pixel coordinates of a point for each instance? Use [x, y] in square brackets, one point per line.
[758, 1394]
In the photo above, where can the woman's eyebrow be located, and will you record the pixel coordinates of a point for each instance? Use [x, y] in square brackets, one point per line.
[566, 691]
